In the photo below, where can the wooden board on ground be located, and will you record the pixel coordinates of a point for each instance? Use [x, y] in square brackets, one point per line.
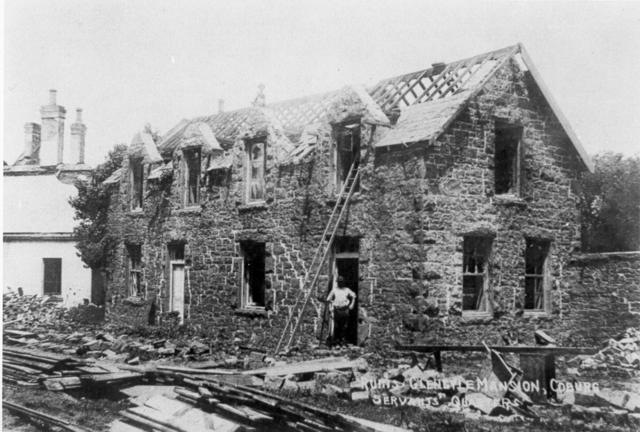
[308, 366]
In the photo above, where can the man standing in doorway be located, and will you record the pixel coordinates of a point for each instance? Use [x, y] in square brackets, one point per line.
[342, 300]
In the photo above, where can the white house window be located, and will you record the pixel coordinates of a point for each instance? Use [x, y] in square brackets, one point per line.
[192, 176]
[475, 274]
[255, 157]
[535, 259]
[52, 276]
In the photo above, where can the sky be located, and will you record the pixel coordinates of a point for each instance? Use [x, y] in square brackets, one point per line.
[132, 62]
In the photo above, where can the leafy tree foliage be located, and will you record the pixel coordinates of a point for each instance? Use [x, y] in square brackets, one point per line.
[91, 204]
[611, 204]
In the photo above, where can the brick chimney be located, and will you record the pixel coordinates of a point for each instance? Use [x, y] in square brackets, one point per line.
[220, 106]
[78, 131]
[52, 144]
[31, 152]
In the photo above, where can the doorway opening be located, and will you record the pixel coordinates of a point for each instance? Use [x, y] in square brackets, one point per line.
[176, 279]
[346, 264]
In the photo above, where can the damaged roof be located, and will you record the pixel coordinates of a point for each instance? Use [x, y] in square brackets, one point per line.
[428, 101]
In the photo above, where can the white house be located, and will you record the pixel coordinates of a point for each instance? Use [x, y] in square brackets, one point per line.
[39, 253]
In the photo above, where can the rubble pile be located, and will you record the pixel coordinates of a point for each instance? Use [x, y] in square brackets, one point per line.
[620, 357]
[32, 310]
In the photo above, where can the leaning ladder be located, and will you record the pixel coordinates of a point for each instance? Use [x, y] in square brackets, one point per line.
[322, 251]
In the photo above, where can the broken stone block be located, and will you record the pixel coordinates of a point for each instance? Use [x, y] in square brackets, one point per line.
[359, 395]
[481, 402]
[273, 382]
[414, 373]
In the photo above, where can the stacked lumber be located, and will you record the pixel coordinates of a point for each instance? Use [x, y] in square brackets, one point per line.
[58, 372]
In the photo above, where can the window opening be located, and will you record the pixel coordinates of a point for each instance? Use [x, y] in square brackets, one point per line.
[253, 281]
[507, 158]
[535, 258]
[475, 274]
[134, 253]
[347, 152]
[255, 171]
[192, 176]
[137, 185]
[52, 276]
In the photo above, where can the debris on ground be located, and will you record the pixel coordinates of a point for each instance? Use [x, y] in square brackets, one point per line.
[619, 358]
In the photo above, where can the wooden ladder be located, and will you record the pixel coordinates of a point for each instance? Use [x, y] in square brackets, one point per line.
[322, 251]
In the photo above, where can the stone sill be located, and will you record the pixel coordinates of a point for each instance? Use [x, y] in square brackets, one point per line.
[189, 210]
[472, 317]
[252, 312]
[587, 257]
[509, 200]
[536, 314]
[258, 205]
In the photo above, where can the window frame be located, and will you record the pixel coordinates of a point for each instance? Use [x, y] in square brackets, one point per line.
[134, 271]
[191, 163]
[541, 276]
[249, 180]
[136, 166]
[247, 300]
[515, 162]
[484, 296]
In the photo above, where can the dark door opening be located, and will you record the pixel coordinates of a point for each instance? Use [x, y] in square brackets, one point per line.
[346, 264]
[348, 269]
[98, 284]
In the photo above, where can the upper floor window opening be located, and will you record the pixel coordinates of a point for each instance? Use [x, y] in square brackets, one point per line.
[255, 171]
[137, 183]
[508, 158]
[192, 160]
[347, 153]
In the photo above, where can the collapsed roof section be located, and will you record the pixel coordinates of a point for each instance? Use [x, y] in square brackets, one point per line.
[428, 101]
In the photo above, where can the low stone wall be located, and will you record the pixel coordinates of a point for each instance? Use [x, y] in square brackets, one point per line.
[603, 297]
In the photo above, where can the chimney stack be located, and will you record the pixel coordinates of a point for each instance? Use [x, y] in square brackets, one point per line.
[260, 100]
[31, 153]
[78, 132]
[220, 106]
[52, 142]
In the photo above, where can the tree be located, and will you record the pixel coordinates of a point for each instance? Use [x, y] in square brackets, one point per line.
[610, 204]
[91, 205]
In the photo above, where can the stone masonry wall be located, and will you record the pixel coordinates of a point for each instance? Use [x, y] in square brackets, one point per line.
[425, 198]
[414, 206]
[604, 294]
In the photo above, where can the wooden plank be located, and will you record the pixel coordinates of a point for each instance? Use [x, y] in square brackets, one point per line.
[197, 371]
[42, 417]
[378, 427]
[120, 426]
[508, 349]
[306, 367]
[146, 422]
